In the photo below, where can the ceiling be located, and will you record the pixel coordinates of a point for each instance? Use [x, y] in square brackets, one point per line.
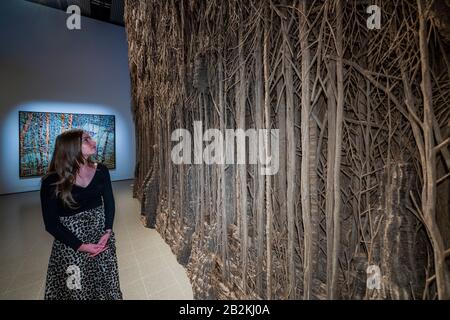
[105, 10]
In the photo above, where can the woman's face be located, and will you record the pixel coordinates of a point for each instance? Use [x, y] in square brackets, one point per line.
[88, 145]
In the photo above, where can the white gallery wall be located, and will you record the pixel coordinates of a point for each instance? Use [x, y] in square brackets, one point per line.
[44, 66]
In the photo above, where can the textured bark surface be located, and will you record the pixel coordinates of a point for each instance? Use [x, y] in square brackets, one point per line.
[150, 196]
[400, 245]
[364, 159]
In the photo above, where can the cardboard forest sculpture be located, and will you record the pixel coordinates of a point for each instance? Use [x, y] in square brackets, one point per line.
[363, 183]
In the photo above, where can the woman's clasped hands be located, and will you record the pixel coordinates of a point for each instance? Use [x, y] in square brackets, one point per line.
[94, 249]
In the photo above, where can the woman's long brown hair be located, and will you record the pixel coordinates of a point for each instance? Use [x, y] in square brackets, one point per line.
[66, 161]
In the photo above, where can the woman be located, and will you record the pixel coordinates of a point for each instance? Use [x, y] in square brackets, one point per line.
[78, 209]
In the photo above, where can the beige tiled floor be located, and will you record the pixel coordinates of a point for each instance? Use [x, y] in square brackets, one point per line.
[147, 267]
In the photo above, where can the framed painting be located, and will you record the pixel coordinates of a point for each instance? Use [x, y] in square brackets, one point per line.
[38, 132]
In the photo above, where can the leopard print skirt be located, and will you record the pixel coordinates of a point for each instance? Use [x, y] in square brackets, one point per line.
[73, 275]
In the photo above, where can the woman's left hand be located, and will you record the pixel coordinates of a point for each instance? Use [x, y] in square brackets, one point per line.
[104, 239]
[102, 242]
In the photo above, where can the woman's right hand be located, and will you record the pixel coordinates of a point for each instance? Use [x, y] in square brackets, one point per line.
[92, 248]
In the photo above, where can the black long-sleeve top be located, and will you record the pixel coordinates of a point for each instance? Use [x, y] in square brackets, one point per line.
[86, 198]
